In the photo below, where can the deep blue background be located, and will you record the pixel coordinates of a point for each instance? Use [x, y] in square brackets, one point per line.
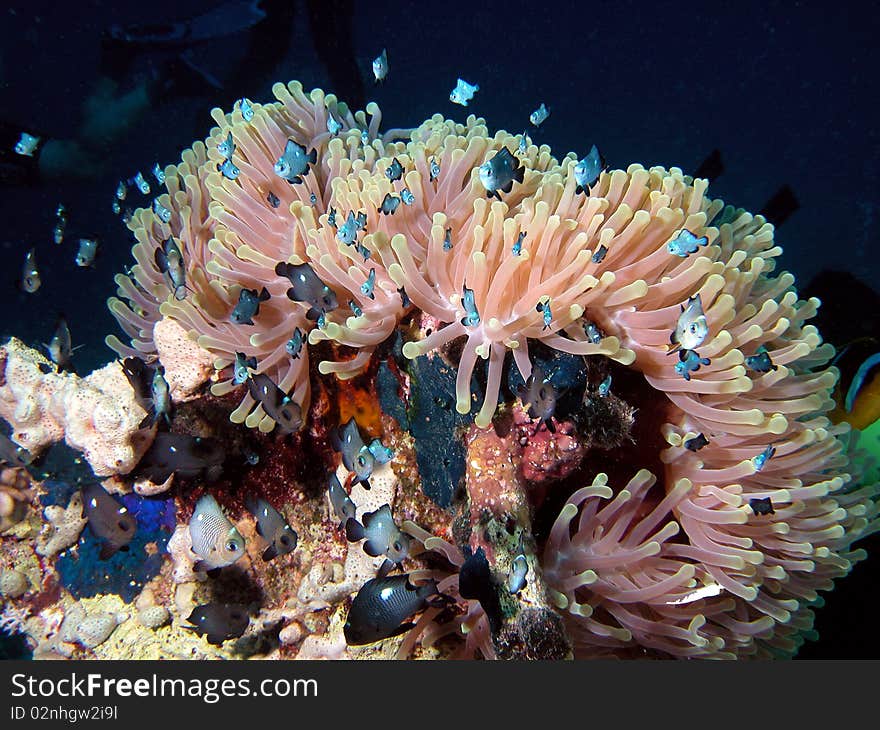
[785, 90]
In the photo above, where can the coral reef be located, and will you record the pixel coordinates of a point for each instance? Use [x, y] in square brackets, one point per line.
[668, 499]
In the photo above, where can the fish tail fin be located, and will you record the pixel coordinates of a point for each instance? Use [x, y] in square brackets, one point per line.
[354, 530]
[264, 295]
[519, 173]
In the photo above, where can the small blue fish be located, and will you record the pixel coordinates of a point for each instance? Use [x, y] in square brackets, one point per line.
[333, 125]
[369, 285]
[760, 362]
[140, 182]
[689, 362]
[517, 244]
[347, 232]
[229, 170]
[273, 199]
[463, 92]
[276, 403]
[593, 333]
[472, 316]
[121, 191]
[587, 171]
[381, 453]
[761, 459]
[380, 66]
[247, 111]
[162, 213]
[307, 287]
[322, 319]
[394, 171]
[686, 243]
[364, 251]
[88, 250]
[355, 309]
[599, 256]
[407, 197]
[500, 172]
[389, 204]
[538, 116]
[241, 368]
[546, 313]
[248, 305]
[523, 143]
[447, 240]
[159, 174]
[226, 147]
[540, 396]
[61, 222]
[434, 170]
[313, 199]
[331, 217]
[26, 145]
[605, 387]
[116, 208]
[696, 443]
[342, 504]
[294, 163]
[762, 506]
[295, 343]
[365, 137]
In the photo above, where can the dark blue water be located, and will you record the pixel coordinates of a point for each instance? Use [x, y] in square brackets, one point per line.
[784, 90]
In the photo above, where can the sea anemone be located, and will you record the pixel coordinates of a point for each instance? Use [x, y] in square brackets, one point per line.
[753, 503]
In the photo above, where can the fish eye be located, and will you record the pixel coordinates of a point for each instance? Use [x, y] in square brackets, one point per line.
[693, 329]
[231, 546]
[362, 461]
[122, 526]
[397, 546]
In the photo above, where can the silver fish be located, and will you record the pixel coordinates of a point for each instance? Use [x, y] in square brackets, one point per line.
[333, 125]
[463, 92]
[161, 395]
[60, 347]
[587, 170]
[380, 66]
[162, 213]
[30, 274]
[246, 109]
[88, 249]
[692, 328]
[273, 528]
[226, 147]
[27, 144]
[347, 232]
[159, 174]
[295, 343]
[214, 538]
[140, 182]
[538, 116]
